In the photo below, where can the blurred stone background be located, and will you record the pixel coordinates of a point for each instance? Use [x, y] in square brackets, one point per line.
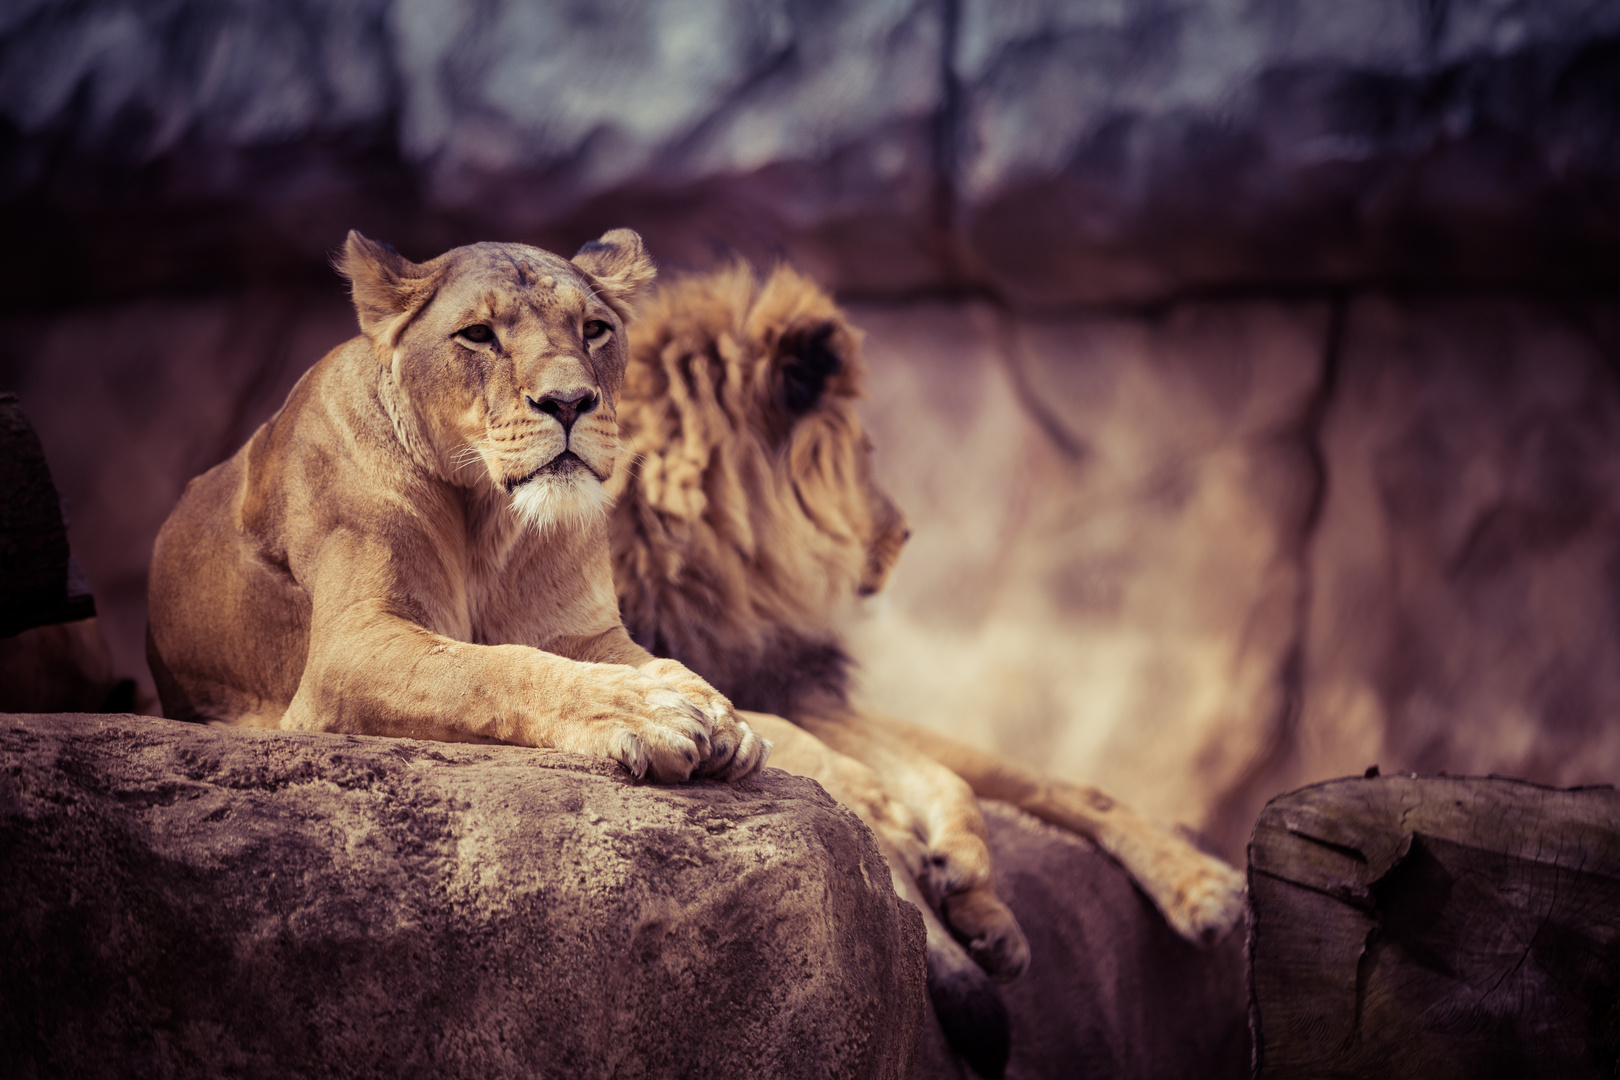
[1250, 369]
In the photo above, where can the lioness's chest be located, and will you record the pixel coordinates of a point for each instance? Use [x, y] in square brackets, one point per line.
[539, 594]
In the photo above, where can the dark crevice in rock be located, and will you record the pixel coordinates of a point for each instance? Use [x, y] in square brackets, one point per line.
[1434, 14]
[1232, 814]
[1009, 349]
[945, 213]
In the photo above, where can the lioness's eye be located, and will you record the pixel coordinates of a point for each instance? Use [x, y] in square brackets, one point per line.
[596, 330]
[477, 332]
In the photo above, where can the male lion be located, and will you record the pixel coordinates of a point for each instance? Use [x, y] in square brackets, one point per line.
[746, 516]
[415, 544]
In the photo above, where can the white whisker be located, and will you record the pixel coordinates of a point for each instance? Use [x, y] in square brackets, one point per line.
[469, 455]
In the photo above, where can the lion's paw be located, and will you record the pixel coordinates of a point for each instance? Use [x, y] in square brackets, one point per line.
[734, 749]
[1205, 900]
[988, 930]
[644, 724]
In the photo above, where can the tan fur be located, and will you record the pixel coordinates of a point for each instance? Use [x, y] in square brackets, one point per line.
[405, 548]
[743, 526]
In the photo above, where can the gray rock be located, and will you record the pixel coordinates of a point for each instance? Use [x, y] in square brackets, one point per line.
[1134, 151]
[276, 127]
[1046, 150]
[1111, 990]
[191, 901]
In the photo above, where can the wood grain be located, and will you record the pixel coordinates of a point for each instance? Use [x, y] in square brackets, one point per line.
[1436, 928]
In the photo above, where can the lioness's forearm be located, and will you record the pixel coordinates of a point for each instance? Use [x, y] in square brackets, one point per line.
[406, 681]
[373, 673]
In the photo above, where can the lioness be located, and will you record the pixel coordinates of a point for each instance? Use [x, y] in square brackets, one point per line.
[416, 545]
[747, 517]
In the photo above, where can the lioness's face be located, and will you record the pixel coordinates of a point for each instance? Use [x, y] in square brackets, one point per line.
[512, 364]
[531, 358]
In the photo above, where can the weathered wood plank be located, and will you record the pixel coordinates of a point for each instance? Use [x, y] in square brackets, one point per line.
[1436, 928]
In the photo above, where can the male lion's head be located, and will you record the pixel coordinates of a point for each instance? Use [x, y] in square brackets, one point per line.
[750, 515]
[502, 363]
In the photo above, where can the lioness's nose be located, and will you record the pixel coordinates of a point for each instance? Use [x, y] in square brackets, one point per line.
[566, 405]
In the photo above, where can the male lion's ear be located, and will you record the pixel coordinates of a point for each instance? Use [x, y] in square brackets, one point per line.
[806, 358]
[384, 282]
[619, 263]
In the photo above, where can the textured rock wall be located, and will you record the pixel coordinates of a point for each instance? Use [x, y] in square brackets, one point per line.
[1248, 371]
[1207, 555]
[1051, 150]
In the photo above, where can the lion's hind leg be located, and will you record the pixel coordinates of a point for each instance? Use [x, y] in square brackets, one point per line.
[1200, 896]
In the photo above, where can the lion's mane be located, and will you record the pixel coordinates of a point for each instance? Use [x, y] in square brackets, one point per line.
[746, 516]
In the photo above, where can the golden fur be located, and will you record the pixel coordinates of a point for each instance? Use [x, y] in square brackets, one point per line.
[746, 518]
[415, 543]
[748, 522]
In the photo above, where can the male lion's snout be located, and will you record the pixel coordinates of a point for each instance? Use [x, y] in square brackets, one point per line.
[883, 552]
[566, 406]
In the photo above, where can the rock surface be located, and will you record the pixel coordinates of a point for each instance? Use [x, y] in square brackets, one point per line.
[190, 901]
[1050, 150]
[1111, 990]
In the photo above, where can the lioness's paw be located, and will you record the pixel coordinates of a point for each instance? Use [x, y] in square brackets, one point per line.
[643, 723]
[734, 750]
[1205, 898]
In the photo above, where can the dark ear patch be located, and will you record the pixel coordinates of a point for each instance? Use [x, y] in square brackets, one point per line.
[808, 360]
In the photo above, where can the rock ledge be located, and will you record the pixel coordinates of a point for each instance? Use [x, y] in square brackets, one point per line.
[186, 901]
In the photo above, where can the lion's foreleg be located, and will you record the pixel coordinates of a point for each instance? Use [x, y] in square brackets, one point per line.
[957, 872]
[369, 670]
[731, 749]
[1200, 896]
[969, 1007]
[852, 784]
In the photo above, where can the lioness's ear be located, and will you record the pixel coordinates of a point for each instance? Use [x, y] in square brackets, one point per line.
[621, 266]
[806, 358]
[384, 282]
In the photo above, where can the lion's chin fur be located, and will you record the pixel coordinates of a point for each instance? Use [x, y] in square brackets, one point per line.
[572, 501]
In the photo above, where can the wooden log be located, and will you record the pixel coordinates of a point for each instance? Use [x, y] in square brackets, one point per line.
[1436, 928]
